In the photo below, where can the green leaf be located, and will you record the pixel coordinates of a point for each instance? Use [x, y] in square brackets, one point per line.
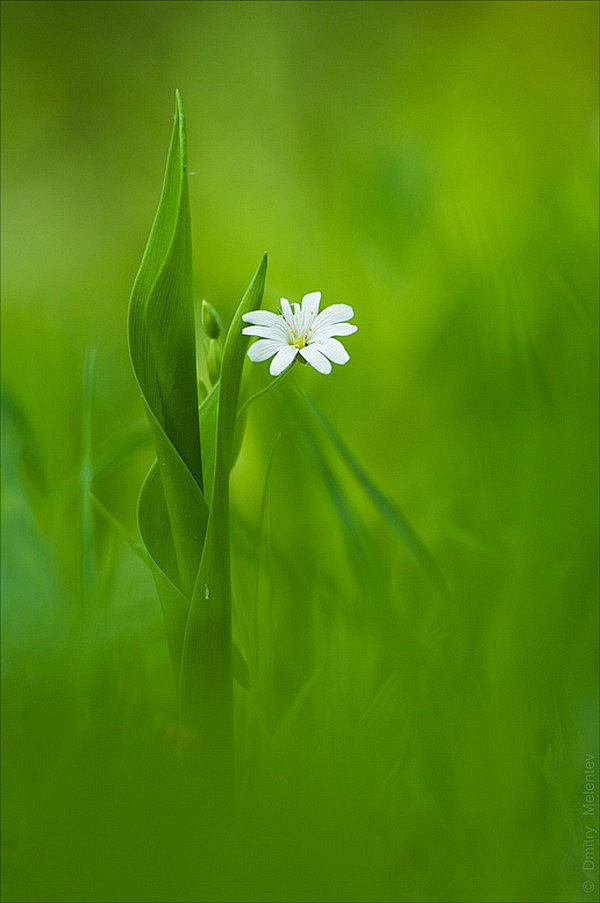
[205, 684]
[153, 522]
[161, 312]
[154, 525]
[163, 352]
[185, 507]
[159, 557]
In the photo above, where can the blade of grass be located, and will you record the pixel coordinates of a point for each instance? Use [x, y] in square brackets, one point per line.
[253, 615]
[115, 453]
[388, 509]
[353, 531]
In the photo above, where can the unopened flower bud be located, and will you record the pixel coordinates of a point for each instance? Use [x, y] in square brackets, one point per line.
[211, 321]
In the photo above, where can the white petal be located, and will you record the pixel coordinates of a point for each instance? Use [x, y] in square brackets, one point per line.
[310, 309]
[333, 349]
[287, 312]
[297, 319]
[277, 333]
[261, 318]
[314, 357]
[325, 332]
[335, 313]
[263, 349]
[310, 304]
[282, 359]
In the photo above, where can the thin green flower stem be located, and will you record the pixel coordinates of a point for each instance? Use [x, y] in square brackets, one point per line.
[136, 547]
[260, 392]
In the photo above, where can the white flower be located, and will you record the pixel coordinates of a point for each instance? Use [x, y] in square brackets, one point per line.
[303, 331]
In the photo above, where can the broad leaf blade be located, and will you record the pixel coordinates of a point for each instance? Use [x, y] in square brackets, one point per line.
[161, 314]
[163, 353]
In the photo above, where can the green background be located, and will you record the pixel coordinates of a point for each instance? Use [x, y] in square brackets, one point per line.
[435, 165]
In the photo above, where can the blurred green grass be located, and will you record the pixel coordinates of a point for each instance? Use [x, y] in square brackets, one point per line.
[436, 166]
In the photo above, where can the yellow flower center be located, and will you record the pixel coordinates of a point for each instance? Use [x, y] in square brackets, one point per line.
[299, 341]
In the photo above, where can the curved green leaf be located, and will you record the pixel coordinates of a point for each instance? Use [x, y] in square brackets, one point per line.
[163, 352]
[186, 508]
[161, 312]
[154, 525]
[160, 559]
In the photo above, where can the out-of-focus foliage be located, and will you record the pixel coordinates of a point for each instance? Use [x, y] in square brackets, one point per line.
[435, 165]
